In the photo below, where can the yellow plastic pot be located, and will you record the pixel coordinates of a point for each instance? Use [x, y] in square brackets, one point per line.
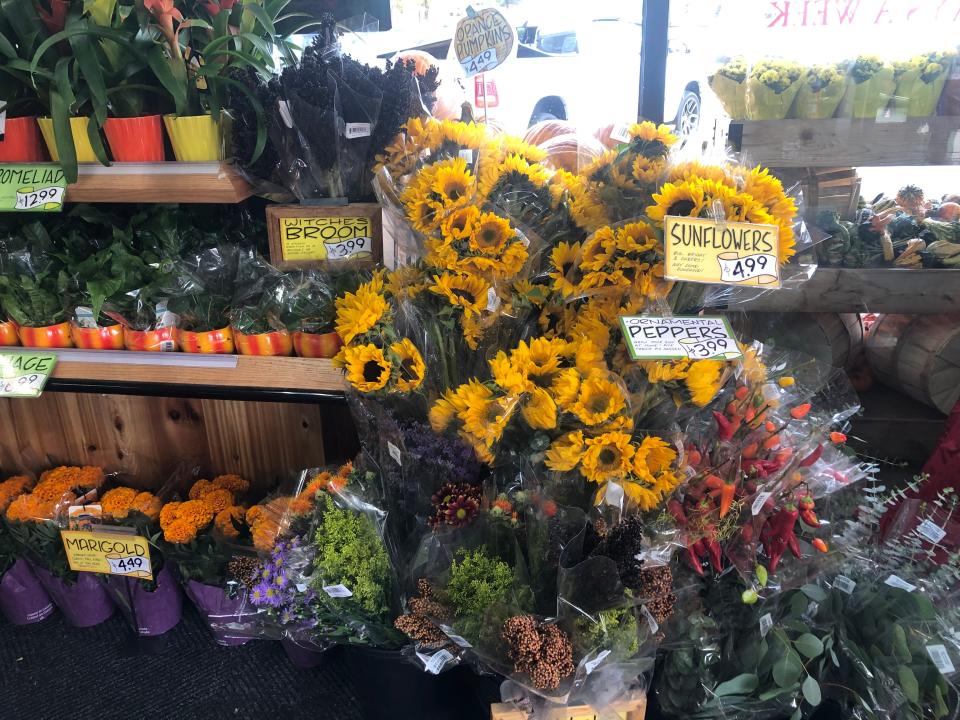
[78, 126]
[195, 138]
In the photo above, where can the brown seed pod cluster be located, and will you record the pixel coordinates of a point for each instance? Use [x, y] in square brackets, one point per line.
[426, 604]
[245, 570]
[541, 650]
[656, 583]
[417, 624]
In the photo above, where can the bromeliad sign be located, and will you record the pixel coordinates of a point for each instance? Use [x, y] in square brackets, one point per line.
[25, 374]
[726, 253]
[32, 188]
[108, 553]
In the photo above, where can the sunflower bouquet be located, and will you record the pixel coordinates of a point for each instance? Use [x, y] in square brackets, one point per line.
[729, 83]
[920, 82]
[821, 90]
[870, 85]
[771, 88]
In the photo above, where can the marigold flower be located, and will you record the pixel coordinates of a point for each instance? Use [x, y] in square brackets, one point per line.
[234, 483]
[180, 532]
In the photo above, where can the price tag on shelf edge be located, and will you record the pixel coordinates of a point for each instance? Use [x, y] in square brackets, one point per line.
[724, 253]
[25, 374]
[679, 337]
[32, 188]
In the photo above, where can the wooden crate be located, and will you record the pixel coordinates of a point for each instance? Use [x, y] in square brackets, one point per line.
[316, 236]
[634, 709]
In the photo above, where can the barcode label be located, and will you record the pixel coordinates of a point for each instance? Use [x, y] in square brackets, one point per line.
[898, 582]
[167, 346]
[467, 155]
[929, 530]
[620, 133]
[337, 591]
[394, 453]
[766, 622]
[357, 130]
[940, 657]
[759, 502]
[84, 317]
[435, 663]
[591, 665]
[651, 620]
[844, 584]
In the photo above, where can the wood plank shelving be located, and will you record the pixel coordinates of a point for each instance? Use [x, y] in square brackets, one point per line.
[884, 290]
[241, 372]
[838, 142]
[167, 182]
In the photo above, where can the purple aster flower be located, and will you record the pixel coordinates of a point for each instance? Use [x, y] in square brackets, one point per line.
[280, 580]
[287, 617]
[258, 596]
[272, 597]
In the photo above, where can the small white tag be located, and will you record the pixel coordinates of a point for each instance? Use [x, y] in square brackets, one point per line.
[651, 620]
[3, 118]
[759, 502]
[898, 582]
[301, 587]
[467, 155]
[766, 622]
[435, 663]
[84, 318]
[461, 641]
[620, 133]
[614, 495]
[284, 109]
[844, 584]
[929, 530]
[395, 453]
[136, 565]
[941, 658]
[493, 300]
[357, 130]
[590, 666]
[167, 346]
[337, 591]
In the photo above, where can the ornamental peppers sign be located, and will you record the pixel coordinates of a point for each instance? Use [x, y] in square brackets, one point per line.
[726, 253]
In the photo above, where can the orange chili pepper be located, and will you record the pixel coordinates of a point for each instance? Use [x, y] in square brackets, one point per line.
[713, 482]
[838, 438]
[695, 457]
[731, 408]
[800, 411]
[769, 426]
[741, 392]
[820, 545]
[771, 442]
[750, 451]
[750, 414]
[726, 497]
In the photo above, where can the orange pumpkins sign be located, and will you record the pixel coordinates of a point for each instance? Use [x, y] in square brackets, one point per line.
[483, 41]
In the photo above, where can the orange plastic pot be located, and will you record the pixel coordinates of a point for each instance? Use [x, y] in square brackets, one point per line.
[271, 343]
[48, 336]
[98, 338]
[22, 142]
[210, 342]
[162, 340]
[317, 345]
[138, 139]
[8, 333]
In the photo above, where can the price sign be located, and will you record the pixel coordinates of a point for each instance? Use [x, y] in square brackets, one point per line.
[678, 338]
[25, 374]
[32, 188]
[727, 253]
[482, 41]
[112, 553]
[326, 238]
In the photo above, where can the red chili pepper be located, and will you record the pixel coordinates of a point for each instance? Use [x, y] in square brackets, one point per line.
[724, 430]
[741, 392]
[800, 411]
[676, 509]
[820, 545]
[769, 426]
[810, 518]
[839, 476]
[806, 502]
[731, 408]
[793, 544]
[694, 557]
[746, 532]
[838, 438]
[713, 548]
[749, 414]
[812, 457]
[726, 497]
[695, 457]
[750, 486]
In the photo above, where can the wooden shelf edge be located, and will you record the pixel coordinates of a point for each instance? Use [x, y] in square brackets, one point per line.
[262, 373]
[167, 182]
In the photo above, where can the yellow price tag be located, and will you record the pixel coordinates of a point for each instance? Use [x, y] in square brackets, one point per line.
[106, 552]
[725, 253]
[326, 238]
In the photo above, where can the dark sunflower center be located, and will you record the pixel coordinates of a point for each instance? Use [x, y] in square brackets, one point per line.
[372, 371]
[598, 404]
[491, 413]
[408, 369]
[544, 379]
[465, 295]
[629, 272]
[488, 237]
[681, 207]
[608, 456]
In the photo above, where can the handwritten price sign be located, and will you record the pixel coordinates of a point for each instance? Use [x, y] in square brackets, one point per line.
[136, 565]
[703, 349]
[348, 248]
[32, 200]
[736, 270]
[482, 41]
[32, 188]
[25, 374]
[727, 253]
[680, 337]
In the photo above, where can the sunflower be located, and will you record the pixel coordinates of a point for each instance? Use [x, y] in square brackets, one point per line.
[597, 169]
[637, 237]
[490, 234]
[565, 258]
[359, 312]
[540, 410]
[459, 224]
[508, 375]
[607, 457]
[653, 456]
[513, 259]
[588, 358]
[643, 497]
[424, 214]
[665, 371]
[647, 171]
[486, 416]
[368, 370]
[565, 452]
[694, 169]
[703, 380]
[684, 199]
[651, 134]
[598, 400]
[512, 170]
[587, 210]
[409, 364]
[452, 182]
[462, 290]
[441, 254]
[406, 282]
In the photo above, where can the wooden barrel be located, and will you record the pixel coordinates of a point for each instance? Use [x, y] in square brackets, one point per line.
[918, 355]
[830, 337]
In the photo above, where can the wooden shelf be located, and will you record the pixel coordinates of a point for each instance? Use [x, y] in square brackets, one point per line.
[886, 290]
[269, 375]
[848, 142]
[166, 182]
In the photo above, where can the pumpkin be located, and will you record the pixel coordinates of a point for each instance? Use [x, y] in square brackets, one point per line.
[540, 132]
[948, 211]
[571, 152]
[422, 62]
[603, 135]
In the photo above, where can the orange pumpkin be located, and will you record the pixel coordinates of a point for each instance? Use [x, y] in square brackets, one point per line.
[571, 152]
[540, 132]
[603, 135]
[948, 211]
[422, 62]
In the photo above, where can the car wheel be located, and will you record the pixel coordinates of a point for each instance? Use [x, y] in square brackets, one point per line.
[688, 115]
[540, 117]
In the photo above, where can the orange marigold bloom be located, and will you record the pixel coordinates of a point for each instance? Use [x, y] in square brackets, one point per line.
[23, 509]
[253, 513]
[148, 504]
[11, 488]
[53, 489]
[228, 519]
[180, 532]
[218, 499]
[169, 513]
[200, 488]
[116, 503]
[302, 503]
[88, 477]
[234, 483]
[196, 512]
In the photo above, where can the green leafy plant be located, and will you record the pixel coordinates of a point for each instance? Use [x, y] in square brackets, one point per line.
[34, 283]
[477, 581]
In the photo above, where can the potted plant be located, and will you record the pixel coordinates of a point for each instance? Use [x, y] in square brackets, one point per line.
[870, 85]
[152, 606]
[771, 88]
[8, 331]
[257, 306]
[821, 90]
[309, 312]
[35, 289]
[21, 141]
[35, 520]
[920, 82]
[22, 598]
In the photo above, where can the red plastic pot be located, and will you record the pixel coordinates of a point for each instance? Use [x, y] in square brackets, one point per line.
[8, 333]
[49, 336]
[99, 338]
[22, 142]
[138, 139]
[270, 343]
[161, 340]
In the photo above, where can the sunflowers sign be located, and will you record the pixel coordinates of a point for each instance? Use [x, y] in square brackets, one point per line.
[728, 253]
